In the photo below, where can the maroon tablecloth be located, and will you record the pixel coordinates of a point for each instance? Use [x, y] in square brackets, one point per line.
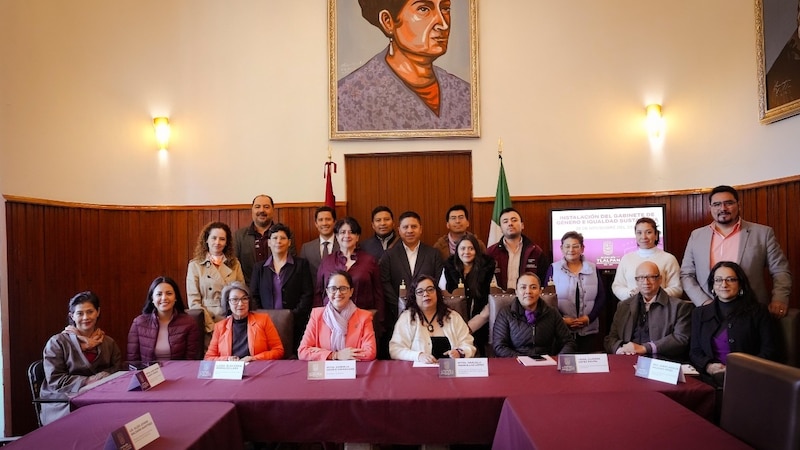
[388, 402]
[618, 420]
[202, 426]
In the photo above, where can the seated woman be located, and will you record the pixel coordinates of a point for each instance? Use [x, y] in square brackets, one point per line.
[339, 330]
[734, 322]
[243, 335]
[528, 326]
[474, 269]
[79, 355]
[428, 330]
[163, 330]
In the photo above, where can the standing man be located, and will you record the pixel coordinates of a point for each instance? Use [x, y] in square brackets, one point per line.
[316, 249]
[516, 254]
[651, 323]
[384, 237]
[729, 238]
[457, 220]
[401, 264]
[250, 242]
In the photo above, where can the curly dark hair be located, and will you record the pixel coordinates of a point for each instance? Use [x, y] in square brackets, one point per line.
[201, 248]
[442, 311]
[747, 297]
[149, 306]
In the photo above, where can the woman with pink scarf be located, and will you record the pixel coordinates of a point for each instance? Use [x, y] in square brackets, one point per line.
[79, 355]
[339, 330]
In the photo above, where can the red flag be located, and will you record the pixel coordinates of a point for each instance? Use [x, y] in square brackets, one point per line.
[330, 199]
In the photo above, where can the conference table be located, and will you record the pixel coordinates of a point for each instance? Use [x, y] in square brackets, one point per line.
[618, 420]
[206, 426]
[388, 401]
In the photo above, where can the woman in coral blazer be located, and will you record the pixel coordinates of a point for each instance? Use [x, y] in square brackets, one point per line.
[243, 335]
[339, 330]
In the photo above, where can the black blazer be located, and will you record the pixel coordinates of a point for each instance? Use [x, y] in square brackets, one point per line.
[395, 269]
[297, 288]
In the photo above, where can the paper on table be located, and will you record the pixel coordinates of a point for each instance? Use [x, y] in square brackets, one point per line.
[528, 361]
[422, 364]
[689, 369]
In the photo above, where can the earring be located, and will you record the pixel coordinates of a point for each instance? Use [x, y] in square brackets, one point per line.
[741, 292]
[391, 47]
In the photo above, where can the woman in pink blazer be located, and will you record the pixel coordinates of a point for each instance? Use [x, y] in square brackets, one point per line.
[339, 330]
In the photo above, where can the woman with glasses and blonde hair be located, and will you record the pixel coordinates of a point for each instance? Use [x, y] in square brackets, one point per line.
[733, 322]
[339, 330]
[428, 330]
[243, 335]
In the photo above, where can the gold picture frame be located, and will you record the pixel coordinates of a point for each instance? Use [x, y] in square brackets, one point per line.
[368, 100]
[778, 95]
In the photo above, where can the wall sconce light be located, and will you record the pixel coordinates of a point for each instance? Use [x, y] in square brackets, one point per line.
[161, 125]
[654, 121]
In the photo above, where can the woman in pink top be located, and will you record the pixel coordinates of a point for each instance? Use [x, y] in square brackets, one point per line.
[339, 330]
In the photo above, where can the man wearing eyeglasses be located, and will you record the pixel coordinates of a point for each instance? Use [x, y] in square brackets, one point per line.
[729, 238]
[651, 323]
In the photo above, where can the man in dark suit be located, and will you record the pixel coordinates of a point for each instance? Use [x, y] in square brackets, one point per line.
[729, 238]
[403, 262]
[316, 249]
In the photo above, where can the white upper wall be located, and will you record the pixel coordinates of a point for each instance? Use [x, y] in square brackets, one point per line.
[563, 83]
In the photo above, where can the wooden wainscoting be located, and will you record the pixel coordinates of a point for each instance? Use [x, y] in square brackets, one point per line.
[58, 249]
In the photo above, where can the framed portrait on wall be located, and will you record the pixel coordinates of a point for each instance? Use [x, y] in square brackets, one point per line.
[403, 69]
[778, 50]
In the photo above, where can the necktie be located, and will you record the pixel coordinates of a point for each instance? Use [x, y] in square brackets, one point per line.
[325, 251]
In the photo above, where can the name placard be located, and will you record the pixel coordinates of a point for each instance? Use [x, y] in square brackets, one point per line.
[221, 370]
[147, 378]
[463, 367]
[659, 370]
[592, 363]
[332, 370]
[134, 435]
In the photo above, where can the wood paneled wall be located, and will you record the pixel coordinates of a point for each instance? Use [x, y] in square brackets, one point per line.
[56, 250]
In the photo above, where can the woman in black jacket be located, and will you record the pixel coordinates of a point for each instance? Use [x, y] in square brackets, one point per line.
[528, 326]
[474, 269]
[734, 322]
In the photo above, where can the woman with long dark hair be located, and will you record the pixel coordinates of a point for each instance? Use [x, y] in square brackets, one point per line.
[734, 322]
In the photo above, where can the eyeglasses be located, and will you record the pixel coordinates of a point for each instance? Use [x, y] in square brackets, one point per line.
[333, 289]
[727, 280]
[428, 290]
[347, 232]
[647, 277]
[727, 203]
[235, 300]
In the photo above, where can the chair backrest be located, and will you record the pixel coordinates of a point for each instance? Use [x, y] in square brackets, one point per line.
[496, 303]
[790, 331]
[36, 378]
[199, 316]
[457, 301]
[283, 319]
[760, 402]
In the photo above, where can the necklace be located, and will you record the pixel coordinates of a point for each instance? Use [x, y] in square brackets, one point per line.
[430, 322]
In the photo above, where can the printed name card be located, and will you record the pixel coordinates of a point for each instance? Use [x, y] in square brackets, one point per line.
[463, 367]
[659, 370]
[332, 370]
[592, 363]
[221, 370]
[134, 435]
[147, 378]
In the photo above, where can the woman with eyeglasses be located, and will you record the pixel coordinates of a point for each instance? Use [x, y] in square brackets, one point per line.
[243, 335]
[733, 322]
[362, 267]
[581, 295]
[339, 330]
[428, 330]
